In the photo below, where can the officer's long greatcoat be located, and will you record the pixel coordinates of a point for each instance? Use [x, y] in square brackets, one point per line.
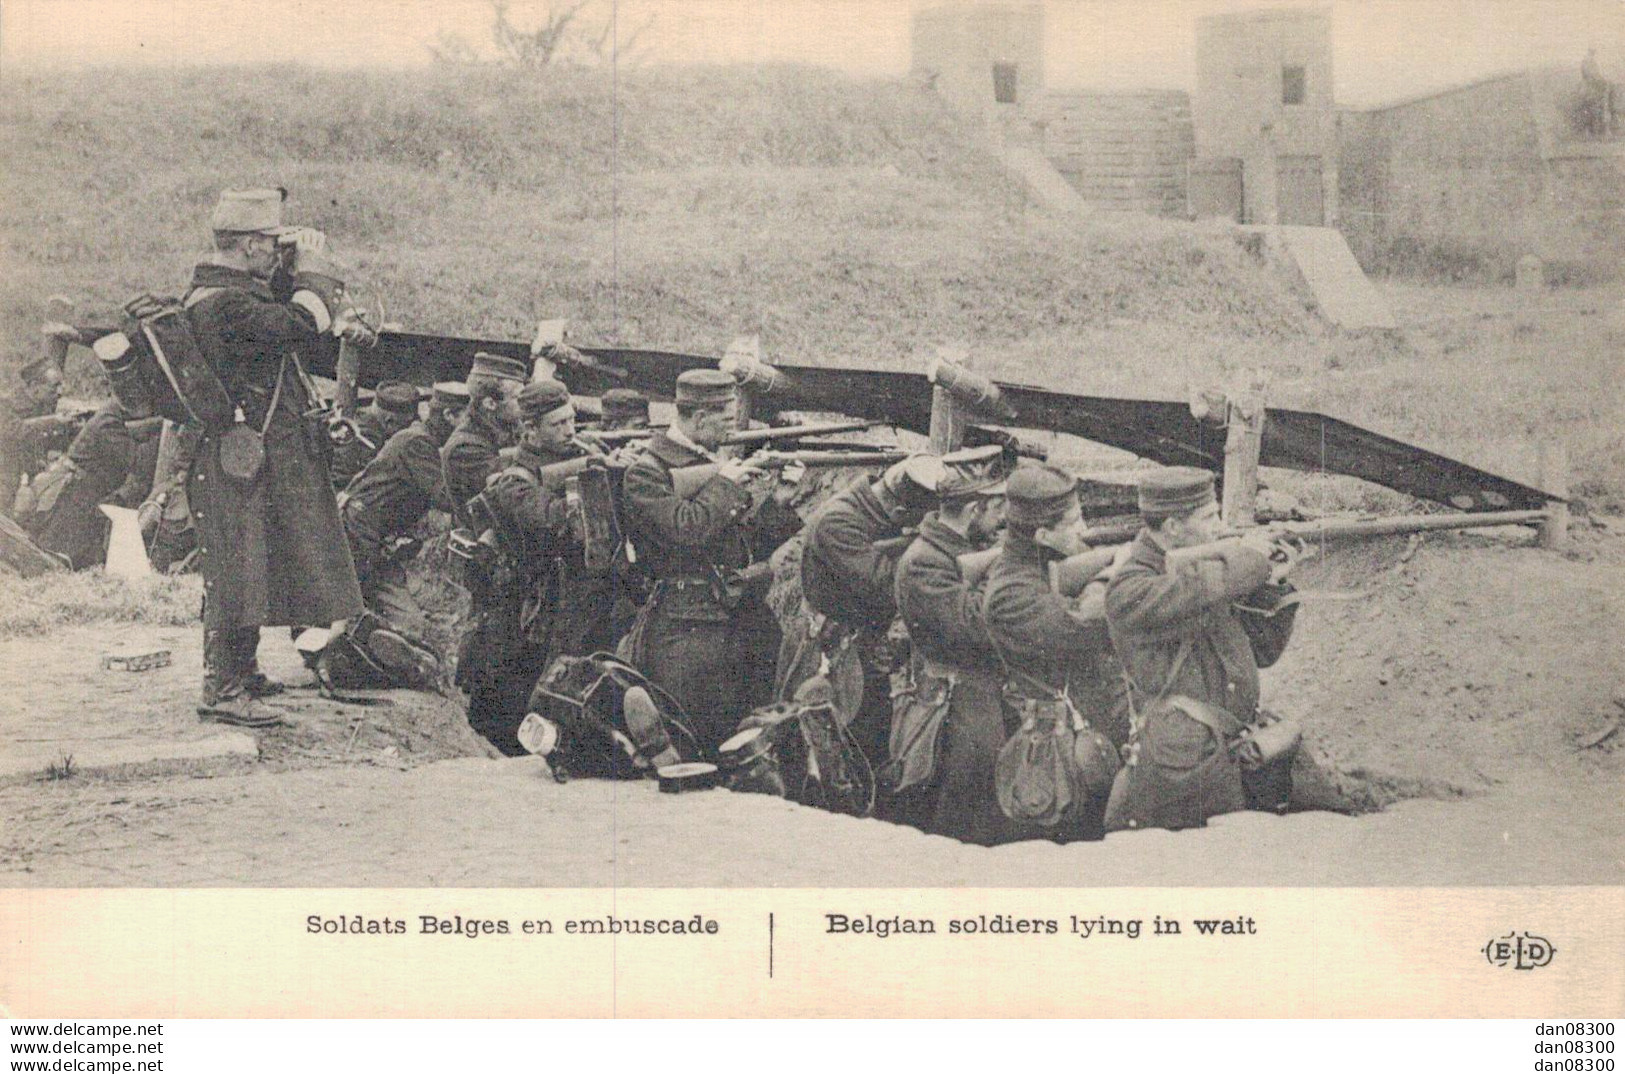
[272, 551]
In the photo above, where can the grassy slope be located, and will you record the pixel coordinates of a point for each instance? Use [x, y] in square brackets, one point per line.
[829, 215]
[843, 221]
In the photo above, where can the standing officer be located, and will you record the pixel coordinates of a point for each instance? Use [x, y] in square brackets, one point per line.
[557, 606]
[394, 406]
[491, 422]
[704, 635]
[950, 721]
[1055, 651]
[271, 547]
[385, 502]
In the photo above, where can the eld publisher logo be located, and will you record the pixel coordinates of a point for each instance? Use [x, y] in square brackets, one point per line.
[1520, 951]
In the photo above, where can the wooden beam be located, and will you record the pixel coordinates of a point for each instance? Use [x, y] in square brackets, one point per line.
[1245, 423]
[1554, 479]
[948, 419]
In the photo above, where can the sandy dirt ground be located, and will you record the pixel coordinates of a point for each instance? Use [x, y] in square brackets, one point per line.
[1454, 691]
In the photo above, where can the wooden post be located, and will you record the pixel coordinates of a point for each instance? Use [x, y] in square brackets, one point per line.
[947, 416]
[1245, 423]
[1554, 479]
[743, 354]
[58, 315]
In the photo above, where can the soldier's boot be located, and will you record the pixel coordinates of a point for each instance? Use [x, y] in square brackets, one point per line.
[255, 682]
[225, 697]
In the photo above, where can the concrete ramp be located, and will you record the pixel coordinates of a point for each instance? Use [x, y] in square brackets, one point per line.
[1047, 185]
[1335, 280]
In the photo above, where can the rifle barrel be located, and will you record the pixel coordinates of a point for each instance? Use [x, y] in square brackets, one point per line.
[832, 458]
[1357, 527]
[793, 432]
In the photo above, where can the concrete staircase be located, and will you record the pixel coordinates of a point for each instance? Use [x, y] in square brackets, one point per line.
[1121, 151]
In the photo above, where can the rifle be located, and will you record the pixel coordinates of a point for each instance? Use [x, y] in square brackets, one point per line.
[687, 480]
[752, 436]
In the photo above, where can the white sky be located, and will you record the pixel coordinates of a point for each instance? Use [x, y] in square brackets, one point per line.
[1383, 48]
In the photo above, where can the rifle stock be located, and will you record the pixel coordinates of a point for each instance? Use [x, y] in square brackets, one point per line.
[1068, 576]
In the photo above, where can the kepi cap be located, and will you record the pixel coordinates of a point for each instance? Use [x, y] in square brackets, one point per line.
[1174, 490]
[540, 398]
[977, 471]
[495, 365]
[397, 397]
[1040, 495]
[448, 393]
[251, 210]
[624, 403]
[705, 386]
[914, 480]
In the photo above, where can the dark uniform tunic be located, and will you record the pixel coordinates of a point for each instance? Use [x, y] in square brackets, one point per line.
[848, 578]
[386, 501]
[272, 552]
[96, 464]
[699, 636]
[1152, 612]
[376, 426]
[468, 459]
[556, 608]
[1049, 652]
[944, 619]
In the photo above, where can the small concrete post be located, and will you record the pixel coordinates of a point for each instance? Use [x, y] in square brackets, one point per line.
[948, 418]
[1244, 421]
[1554, 479]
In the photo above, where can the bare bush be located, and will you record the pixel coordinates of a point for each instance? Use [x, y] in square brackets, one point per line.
[573, 33]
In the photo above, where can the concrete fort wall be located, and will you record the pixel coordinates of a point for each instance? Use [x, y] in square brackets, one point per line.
[1466, 181]
[1122, 151]
[983, 58]
[1264, 97]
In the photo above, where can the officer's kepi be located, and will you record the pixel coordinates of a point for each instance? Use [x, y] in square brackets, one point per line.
[977, 471]
[706, 387]
[1175, 490]
[544, 400]
[1039, 495]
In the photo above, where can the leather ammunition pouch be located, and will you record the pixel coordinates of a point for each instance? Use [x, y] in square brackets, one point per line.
[810, 757]
[921, 700]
